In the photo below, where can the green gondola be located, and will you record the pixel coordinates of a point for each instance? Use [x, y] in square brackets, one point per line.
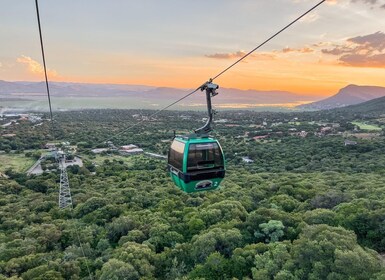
[196, 162]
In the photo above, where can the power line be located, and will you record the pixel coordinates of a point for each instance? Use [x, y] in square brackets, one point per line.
[222, 72]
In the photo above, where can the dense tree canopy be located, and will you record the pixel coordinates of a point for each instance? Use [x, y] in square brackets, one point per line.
[306, 208]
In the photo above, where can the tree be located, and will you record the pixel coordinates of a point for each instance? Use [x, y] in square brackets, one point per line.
[215, 267]
[270, 231]
[217, 239]
[120, 227]
[41, 273]
[140, 256]
[90, 205]
[243, 259]
[118, 270]
[37, 185]
[321, 216]
[323, 250]
[272, 262]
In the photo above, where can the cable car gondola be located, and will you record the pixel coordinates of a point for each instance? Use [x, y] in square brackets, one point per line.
[196, 162]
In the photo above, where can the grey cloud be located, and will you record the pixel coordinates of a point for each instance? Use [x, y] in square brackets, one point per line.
[372, 2]
[338, 50]
[362, 51]
[375, 40]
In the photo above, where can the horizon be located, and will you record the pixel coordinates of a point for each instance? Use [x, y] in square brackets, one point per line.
[134, 43]
[184, 88]
[31, 96]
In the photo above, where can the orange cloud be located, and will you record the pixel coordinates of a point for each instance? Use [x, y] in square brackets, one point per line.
[377, 60]
[302, 50]
[35, 67]
[239, 54]
[331, 2]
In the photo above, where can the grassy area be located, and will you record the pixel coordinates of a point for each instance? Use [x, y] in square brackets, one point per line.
[365, 126]
[99, 159]
[17, 162]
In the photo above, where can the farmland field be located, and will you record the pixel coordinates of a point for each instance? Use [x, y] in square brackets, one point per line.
[365, 126]
[17, 162]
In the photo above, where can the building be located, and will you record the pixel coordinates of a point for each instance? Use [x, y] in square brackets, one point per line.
[350, 143]
[303, 134]
[128, 147]
[99, 151]
[221, 121]
[131, 151]
[260, 137]
[155, 155]
[50, 146]
[2, 175]
[9, 135]
[247, 160]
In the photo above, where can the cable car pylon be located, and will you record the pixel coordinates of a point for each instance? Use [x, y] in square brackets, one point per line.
[65, 198]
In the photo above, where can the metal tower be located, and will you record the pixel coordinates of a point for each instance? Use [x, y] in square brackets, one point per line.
[65, 198]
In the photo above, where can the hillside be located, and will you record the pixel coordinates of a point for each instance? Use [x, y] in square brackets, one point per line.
[372, 107]
[349, 95]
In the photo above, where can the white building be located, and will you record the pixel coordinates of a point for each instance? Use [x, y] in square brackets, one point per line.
[99, 151]
[131, 151]
[247, 160]
[128, 147]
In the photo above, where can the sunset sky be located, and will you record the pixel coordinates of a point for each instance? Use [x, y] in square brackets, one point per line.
[177, 43]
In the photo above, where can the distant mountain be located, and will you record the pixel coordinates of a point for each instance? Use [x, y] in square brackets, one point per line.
[160, 95]
[350, 95]
[69, 89]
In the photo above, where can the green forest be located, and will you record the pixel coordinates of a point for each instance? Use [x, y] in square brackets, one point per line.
[308, 203]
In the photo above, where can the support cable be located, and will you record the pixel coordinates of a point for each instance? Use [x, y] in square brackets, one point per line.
[44, 64]
[267, 40]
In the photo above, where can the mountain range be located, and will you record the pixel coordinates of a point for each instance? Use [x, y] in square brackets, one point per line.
[144, 96]
[84, 95]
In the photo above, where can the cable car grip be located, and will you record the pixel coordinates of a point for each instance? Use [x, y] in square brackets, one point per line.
[210, 89]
